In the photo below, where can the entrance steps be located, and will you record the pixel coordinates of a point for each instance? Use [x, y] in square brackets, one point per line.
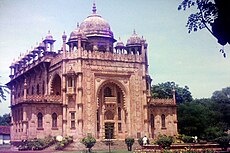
[101, 145]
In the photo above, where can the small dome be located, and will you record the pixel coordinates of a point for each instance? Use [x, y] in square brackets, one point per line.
[120, 43]
[134, 40]
[49, 36]
[95, 25]
[77, 33]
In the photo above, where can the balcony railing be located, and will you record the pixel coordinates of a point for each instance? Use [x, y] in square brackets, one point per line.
[70, 90]
[110, 100]
[40, 98]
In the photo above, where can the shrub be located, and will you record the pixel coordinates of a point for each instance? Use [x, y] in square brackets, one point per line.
[140, 141]
[223, 142]
[65, 141]
[37, 144]
[129, 142]
[89, 142]
[187, 139]
[164, 141]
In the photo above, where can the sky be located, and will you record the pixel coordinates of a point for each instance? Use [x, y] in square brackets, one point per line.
[191, 60]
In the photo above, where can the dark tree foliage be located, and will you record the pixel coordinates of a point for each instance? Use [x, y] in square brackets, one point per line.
[5, 120]
[3, 90]
[2, 93]
[200, 118]
[165, 90]
[212, 15]
[222, 98]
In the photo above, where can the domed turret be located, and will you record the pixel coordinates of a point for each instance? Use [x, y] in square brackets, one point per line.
[120, 47]
[95, 25]
[77, 33]
[134, 40]
[49, 36]
[119, 43]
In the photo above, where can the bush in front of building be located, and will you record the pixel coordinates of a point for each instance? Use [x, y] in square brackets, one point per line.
[187, 139]
[36, 144]
[164, 141]
[140, 141]
[129, 142]
[89, 142]
[64, 142]
[223, 142]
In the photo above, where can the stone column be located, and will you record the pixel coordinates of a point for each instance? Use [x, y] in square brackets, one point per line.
[24, 123]
[13, 95]
[102, 122]
[25, 89]
[79, 103]
[115, 132]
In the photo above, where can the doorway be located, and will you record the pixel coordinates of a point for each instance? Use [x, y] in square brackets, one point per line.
[109, 130]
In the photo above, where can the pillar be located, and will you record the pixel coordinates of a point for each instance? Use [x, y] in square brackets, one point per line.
[25, 89]
[79, 103]
[24, 124]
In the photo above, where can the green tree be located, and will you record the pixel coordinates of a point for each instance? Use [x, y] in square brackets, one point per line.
[89, 142]
[129, 142]
[5, 120]
[212, 15]
[164, 141]
[164, 90]
[222, 96]
[202, 118]
[2, 93]
[222, 99]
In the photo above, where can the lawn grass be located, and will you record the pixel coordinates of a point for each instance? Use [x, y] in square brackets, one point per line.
[113, 151]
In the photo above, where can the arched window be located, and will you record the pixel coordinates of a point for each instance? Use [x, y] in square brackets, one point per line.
[118, 97]
[54, 120]
[70, 82]
[56, 85]
[32, 90]
[152, 120]
[119, 113]
[39, 116]
[38, 92]
[43, 87]
[107, 92]
[163, 121]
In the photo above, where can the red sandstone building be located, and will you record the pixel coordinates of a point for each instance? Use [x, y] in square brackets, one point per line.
[92, 83]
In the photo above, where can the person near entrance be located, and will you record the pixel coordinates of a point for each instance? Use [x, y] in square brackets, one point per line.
[145, 140]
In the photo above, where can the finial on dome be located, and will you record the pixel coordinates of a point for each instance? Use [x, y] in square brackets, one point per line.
[77, 24]
[94, 8]
[134, 31]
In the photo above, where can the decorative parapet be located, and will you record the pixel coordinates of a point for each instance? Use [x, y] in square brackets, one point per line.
[105, 56]
[161, 102]
[29, 66]
[40, 98]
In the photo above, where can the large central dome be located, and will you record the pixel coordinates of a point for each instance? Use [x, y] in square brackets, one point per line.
[95, 25]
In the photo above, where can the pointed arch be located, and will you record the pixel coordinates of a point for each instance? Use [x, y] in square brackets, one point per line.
[40, 120]
[55, 85]
[119, 85]
[54, 120]
[163, 120]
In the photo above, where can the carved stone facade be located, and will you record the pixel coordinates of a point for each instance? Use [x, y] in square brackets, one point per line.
[87, 87]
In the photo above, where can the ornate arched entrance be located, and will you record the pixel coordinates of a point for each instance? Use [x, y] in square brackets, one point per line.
[111, 111]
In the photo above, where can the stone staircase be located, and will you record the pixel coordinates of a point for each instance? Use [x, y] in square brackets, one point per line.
[101, 145]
